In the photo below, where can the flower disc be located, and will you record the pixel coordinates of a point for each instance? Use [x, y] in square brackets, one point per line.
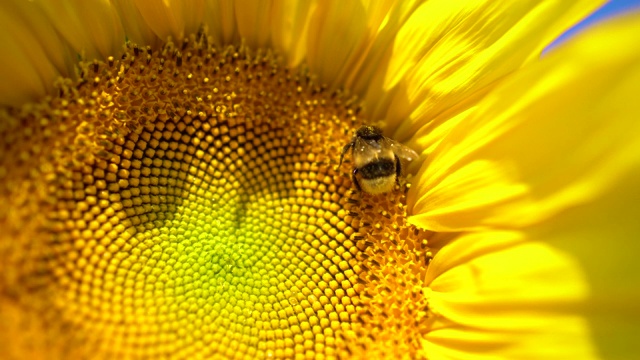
[186, 202]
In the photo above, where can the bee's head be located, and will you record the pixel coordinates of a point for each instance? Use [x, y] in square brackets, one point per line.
[369, 132]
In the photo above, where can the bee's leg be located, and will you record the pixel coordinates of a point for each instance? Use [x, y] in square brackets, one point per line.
[354, 179]
[344, 151]
[398, 169]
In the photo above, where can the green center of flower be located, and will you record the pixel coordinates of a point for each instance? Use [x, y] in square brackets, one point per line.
[187, 202]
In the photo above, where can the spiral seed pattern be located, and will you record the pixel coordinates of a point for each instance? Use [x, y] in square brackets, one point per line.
[185, 202]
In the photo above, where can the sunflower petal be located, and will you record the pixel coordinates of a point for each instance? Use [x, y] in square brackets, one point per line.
[253, 25]
[25, 67]
[172, 18]
[221, 21]
[495, 295]
[135, 27]
[337, 32]
[72, 19]
[286, 27]
[366, 30]
[556, 135]
[575, 251]
[290, 28]
[448, 54]
[43, 40]
[603, 236]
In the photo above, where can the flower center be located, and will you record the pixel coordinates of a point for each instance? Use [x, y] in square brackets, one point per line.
[187, 200]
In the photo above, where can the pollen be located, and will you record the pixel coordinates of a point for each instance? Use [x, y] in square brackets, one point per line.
[186, 202]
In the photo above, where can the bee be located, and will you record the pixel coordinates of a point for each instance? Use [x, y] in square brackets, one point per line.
[376, 160]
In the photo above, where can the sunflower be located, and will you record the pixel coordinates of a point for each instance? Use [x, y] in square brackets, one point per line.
[171, 187]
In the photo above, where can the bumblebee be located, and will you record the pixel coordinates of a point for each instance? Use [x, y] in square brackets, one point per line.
[376, 160]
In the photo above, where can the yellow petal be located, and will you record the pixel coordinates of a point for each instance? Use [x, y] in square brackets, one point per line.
[603, 236]
[282, 25]
[25, 68]
[448, 54]
[254, 22]
[93, 29]
[43, 40]
[556, 135]
[575, 254]
[135, 27]
[221, 21]
[361, 61]
[494, 295]
[290, 21]
[518, 293]
[337, 32]
[172, 18]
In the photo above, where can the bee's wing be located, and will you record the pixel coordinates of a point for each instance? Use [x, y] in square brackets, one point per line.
[364, 147]
[403, 152]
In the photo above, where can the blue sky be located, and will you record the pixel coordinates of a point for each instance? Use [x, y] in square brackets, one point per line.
[610, 9]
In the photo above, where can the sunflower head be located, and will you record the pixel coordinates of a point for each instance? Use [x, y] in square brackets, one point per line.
[185, 195]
